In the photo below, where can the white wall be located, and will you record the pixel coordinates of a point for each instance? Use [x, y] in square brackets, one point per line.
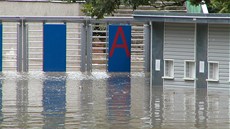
[39, 9]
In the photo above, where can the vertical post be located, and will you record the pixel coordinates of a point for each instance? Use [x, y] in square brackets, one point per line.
[1, 57]
[25, 47]
[89, 48]
[147, 48]
[22, 47]
[107, 46]
[83, 46]
[19, 47]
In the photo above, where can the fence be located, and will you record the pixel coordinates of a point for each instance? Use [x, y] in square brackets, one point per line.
[86, 43]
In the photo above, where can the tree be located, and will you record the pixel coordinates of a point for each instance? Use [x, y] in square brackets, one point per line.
[99, 8]
[219, 6]
[215, 6]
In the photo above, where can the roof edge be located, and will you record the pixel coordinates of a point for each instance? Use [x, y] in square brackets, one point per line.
[181, 17]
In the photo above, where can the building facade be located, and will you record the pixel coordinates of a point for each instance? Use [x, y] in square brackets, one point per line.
[189, 50]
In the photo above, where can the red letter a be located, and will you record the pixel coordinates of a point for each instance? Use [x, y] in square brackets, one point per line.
[120, 32]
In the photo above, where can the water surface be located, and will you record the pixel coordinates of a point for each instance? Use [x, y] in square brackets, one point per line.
[106, 101]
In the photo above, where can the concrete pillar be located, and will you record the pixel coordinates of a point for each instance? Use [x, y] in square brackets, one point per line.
[147, 47]
[201, 55]
[157, 44]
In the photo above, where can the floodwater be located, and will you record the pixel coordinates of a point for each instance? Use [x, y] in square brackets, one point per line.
[106, 101]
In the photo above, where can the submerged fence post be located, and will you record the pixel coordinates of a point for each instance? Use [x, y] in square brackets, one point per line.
[22, 47]
[89, 48]
[147, 48]
[107, 46]
[83, 47]
[25, 47]
[1, 44]
[19, 47]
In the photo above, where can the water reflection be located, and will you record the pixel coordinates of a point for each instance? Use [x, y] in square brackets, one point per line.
[54, 102]
[86, 102]
[22, 103]
[1, 114]
[201, 108]
[218, 108]
[156, 107]
[119, 101]
[147, 121]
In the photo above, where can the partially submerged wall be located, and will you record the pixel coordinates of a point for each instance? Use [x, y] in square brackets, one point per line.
[35, 32]
[194, 55]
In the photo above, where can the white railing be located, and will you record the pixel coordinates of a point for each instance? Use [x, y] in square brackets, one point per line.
[87, 46]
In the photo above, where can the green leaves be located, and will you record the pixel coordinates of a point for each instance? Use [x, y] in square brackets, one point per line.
[135, 3]
[99, 8]
[219, 6]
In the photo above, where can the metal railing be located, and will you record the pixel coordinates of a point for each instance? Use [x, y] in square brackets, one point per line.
[87, 46]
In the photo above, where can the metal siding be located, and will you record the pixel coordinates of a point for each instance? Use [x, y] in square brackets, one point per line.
[218, 50]
[179, 45]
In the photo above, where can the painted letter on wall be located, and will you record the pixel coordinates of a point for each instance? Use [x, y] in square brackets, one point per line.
[119, 48]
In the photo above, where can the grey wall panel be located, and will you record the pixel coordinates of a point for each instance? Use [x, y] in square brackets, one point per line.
[218, 50]
[179, 45]
[157, 52]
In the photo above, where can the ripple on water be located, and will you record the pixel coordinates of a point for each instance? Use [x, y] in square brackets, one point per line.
[106, 100]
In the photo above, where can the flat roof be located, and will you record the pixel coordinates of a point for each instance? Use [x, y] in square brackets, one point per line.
[182, 17]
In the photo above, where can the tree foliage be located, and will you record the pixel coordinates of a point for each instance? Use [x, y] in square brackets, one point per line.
[219, 6]
[99, 8]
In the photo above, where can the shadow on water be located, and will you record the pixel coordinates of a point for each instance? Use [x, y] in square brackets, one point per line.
[54, 102]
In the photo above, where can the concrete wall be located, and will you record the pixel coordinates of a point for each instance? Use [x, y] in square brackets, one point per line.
[39, 9]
